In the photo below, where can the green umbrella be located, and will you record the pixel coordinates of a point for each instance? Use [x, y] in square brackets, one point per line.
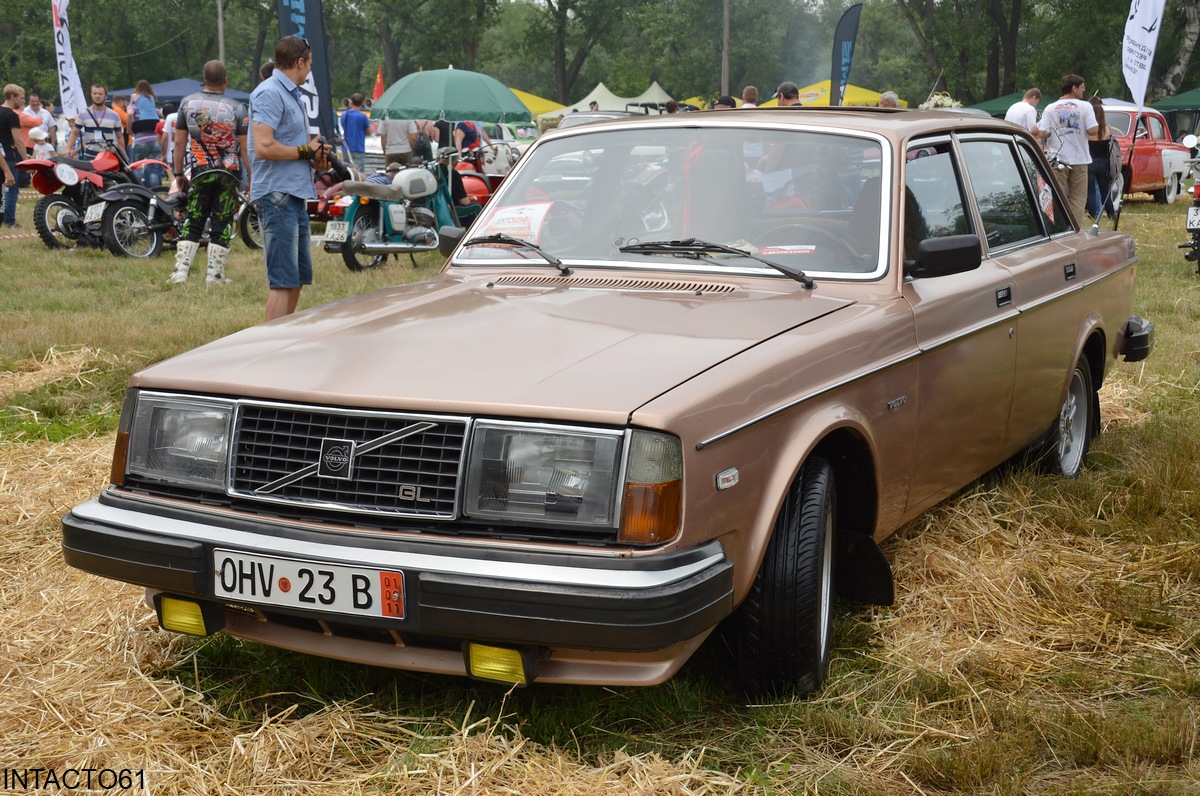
[454, 94]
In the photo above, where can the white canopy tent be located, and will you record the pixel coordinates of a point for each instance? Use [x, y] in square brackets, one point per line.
[609, 101]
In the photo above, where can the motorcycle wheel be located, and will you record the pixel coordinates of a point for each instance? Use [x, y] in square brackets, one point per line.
[127, 231]
[248, 227]
[57, 221]
[366, 227]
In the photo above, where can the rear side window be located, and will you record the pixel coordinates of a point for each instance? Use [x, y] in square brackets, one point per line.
[1049, 208]
[1007, 211]
[933, 198]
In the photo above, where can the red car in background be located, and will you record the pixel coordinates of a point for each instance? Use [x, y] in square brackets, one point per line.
[1158, 165]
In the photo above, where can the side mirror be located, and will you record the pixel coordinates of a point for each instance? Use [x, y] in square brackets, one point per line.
[953, 254]
[448, 238]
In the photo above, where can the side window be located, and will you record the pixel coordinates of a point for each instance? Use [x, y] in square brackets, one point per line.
[1157, 131]
[933, 199]
[1006, 210]
[1049, 206]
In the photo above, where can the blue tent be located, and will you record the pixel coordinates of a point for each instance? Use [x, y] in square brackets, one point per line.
[175, 90]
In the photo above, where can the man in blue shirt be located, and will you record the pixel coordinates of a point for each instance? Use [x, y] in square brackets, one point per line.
[355, 124]
[282, 157]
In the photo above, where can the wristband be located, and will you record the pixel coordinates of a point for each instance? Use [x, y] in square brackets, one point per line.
[305, 152]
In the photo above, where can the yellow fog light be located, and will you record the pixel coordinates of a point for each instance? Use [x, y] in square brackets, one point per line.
[188, 616]
[501, 664]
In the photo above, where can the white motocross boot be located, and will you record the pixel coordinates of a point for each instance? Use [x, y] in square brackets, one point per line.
[185, 252]
[217, 255]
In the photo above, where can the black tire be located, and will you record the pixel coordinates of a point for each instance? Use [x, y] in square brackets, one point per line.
[57, 221]
[366, 227]
[248, 227]
[1066, 449]
[127, 231]
[785, 625]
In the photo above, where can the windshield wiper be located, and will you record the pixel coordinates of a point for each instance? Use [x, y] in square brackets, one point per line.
[693, 247]
[524, 244]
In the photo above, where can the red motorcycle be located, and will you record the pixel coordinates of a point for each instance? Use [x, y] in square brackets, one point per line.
[71, 187]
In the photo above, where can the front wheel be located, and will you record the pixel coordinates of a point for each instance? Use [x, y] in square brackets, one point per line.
[1071, 435]
[365, 230]
[58, 221]
[127, 231]
[248, 227]
[786, 622]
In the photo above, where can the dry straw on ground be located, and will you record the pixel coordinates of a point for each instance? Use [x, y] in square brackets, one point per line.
[991, 597]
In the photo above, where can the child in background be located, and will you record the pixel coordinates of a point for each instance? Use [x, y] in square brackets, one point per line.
[42, 148]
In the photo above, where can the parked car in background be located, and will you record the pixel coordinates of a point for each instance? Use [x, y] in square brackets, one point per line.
[1158, 164]
[587, 117]
[682, 371]
[518, 135]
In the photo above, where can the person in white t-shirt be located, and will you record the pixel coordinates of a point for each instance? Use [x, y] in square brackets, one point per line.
[1023, 112]
[1064, 128]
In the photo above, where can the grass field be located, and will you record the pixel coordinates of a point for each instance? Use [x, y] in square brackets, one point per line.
[1045, 638]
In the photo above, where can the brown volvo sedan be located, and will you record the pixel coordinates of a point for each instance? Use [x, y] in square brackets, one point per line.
[682, 370]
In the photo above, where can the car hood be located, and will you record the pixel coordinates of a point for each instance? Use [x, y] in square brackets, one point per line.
[586, 349]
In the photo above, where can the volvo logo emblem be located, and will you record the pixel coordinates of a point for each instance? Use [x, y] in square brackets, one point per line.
[337, 459]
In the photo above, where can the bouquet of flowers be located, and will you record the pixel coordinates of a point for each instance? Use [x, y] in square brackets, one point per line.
[939, 99]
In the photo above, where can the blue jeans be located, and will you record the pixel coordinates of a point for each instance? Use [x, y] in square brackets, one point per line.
[286, 240]
[10, 204]
[1098, 190]
[151, 176]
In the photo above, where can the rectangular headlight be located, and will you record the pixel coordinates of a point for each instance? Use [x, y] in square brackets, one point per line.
[180, 440]
[556, 475]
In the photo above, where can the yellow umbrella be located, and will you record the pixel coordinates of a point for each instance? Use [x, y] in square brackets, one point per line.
[536, 105]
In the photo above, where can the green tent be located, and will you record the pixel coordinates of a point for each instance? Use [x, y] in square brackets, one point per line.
[999, 106]
[1187, 101]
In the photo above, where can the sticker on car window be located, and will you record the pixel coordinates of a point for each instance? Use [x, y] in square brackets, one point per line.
[1045, 197]
[519, 221]
[807, 248]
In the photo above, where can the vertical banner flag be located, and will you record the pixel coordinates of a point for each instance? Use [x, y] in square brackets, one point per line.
[1141, 36]
[377, 92]
[306, 19]
[843, 51]
[71, 100]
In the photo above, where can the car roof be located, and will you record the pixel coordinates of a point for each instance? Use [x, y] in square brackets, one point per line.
[895, 123]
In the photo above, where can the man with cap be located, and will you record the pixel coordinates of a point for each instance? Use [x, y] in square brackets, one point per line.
[788, 93]
[725, 102]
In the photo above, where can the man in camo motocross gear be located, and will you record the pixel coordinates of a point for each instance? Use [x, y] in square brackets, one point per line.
[211, 132]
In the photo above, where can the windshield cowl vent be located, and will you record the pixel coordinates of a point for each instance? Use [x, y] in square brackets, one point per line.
[615, 283]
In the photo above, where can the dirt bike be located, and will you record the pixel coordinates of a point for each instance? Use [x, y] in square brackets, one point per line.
[328, 187]
[70, 187]
[136, 221]
[1192, 255]
[374, 220]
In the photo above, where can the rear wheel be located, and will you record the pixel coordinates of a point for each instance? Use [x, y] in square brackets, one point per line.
[365, 230]
[58, 221]
[248, 227]
[786, 622]
[1071, 435]
[127, 231]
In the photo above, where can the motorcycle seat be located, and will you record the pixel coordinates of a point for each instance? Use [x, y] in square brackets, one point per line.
[83, 165]
[374, 190]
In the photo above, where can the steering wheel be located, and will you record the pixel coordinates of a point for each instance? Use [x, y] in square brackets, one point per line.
[846, 257]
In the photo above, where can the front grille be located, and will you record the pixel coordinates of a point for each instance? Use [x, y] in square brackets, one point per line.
[399, 466]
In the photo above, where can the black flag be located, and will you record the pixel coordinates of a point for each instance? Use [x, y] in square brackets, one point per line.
[843, 52]
[306, 19]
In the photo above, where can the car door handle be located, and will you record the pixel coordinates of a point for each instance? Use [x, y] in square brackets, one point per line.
[1004, 296]
[1069, 271]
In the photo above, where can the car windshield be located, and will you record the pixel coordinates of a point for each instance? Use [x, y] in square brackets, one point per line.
[808, 200]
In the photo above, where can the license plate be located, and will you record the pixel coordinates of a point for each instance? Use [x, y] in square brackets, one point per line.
[310, 585]
[1193, 219]
[336, 231]
[95, 212]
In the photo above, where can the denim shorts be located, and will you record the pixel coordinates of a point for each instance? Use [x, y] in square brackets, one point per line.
[286, 244]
